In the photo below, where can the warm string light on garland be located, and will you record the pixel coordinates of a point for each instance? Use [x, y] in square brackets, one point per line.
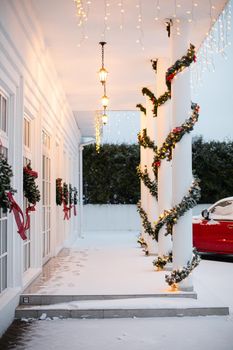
[165, 151]
[170, 217]
[162, 261]
[143, 244]
[179, 275]
[184, 62]
[98, 130]
[216, 42]
[146, 223]
[145, 141]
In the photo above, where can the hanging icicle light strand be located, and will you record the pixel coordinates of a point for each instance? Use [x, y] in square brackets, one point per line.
[216, 42]
[139, 26]
[122, 14]
[157, 10]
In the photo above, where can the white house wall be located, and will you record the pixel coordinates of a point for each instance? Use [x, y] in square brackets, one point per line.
[28, 77]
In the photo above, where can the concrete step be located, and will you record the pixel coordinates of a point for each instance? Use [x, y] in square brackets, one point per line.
[126, 312]
[124, 308]
[44, 299]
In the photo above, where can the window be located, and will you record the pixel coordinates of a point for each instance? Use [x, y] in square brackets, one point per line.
[46, 195]
[3, 112]
[3, 244]
[27, 133]
[45, 139]
[27, 242]
[224, 208]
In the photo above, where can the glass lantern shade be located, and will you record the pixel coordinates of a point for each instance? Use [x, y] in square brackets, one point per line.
[103, 75]
[104, 101]
[104, 118]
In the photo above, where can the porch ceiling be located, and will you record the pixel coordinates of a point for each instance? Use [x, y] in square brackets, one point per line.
[128, 65]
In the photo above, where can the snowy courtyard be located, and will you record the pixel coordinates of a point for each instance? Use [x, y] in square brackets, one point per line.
[107, 263]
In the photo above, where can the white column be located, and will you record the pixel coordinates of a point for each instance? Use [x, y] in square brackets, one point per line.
[152, 201]
[182, 156]
[143, 162]
[165, 169]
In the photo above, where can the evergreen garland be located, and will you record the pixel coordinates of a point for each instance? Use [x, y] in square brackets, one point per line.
[151, 185]
[59, 191]
[165, 151]
[75, 196]
[65, 193]
[147, 92]
[145, 141]
[30, 189]
[170, 217]
[71, 199]
[161, 262]
[184, 62]
[5, 183]
[179, 275]
[146, 223]
[141, 107]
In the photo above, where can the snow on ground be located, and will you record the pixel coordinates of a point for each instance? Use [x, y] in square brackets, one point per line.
[111, 263]
[192, 333]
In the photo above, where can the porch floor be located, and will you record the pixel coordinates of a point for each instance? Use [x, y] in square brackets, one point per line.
[110, 264]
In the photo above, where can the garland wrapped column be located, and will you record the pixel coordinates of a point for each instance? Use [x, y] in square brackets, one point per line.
[152, 200]
[165, 168]
[144, 190]
[182, 158]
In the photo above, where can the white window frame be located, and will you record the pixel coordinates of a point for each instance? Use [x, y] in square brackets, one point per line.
[46, 196]
[4, 256]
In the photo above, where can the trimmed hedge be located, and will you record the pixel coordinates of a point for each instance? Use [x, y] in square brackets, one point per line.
[213, 164]
[110, 177]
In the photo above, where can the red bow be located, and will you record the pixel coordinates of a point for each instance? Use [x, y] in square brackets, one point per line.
[66, 211]
[29, 208]
[19, 218]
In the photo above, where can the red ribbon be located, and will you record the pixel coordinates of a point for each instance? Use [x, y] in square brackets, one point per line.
[19, 218]
[30, 172]
[170, 76]
[28, 220]
[75, 211]
[66, 211]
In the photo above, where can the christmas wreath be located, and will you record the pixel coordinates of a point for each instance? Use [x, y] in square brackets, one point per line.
[65, 199]
[7, 201]
[30, 190]
[59, 191]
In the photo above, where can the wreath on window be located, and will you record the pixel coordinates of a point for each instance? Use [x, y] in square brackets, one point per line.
[31, 191]
[59, 191]
[7, 201]
[30, 188]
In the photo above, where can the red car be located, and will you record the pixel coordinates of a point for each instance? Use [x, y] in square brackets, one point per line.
[213, 229]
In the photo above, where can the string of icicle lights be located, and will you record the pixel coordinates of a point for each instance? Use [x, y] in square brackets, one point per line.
[217, 41]
[177, 8]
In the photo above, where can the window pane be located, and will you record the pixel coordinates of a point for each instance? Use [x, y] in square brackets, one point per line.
[4, 114]
[4, 272]
[224, 208]
[4, 237]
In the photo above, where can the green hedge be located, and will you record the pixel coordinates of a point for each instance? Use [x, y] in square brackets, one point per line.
[110, 176]
[213, 164]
